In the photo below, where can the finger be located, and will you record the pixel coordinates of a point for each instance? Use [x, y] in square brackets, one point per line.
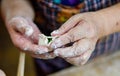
[35, 35]
[77, 49]
[32, 48]
[70, 23]
[26, 45]
[35, 49]
[80, 60]
[44, 56]
[27, 27]
[21, 25]
[77, 33]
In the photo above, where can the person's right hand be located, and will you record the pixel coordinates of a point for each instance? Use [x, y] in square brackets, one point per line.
[24, 34]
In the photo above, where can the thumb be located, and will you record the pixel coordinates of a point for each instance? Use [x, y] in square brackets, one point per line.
[21, 25]
[70, 23]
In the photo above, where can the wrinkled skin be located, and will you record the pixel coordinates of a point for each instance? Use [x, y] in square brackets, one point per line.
[83, 31]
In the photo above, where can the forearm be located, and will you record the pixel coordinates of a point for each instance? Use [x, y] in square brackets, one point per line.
[12, 8]
[110, 19]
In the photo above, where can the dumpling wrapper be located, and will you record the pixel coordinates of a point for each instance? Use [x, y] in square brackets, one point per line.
[44, 40]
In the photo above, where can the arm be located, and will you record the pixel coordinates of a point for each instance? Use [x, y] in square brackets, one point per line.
[12, 8]
[84, 30]
[111, 18]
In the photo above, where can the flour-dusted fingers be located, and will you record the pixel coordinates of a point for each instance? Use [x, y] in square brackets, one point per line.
[80, 60]
[25, 27]
[26, 44]
[36, 32]
[82, 30]
[76, 49]
[70, 23]
[21, 25]
[49, 55]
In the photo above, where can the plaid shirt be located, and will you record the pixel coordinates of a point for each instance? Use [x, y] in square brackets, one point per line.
[53, 15]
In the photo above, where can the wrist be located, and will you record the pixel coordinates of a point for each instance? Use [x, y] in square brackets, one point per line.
[110, 19]
[99, 22]
[105, 23]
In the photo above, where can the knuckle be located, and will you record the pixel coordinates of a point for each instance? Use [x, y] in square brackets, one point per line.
[62, 28]
[76, 51]
[92, 33]
[89, 29]
[70, 38]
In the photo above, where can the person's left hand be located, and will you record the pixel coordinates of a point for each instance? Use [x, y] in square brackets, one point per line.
[24, 34]
[83, 30]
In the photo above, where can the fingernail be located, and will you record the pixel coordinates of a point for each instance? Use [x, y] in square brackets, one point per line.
[55, 32]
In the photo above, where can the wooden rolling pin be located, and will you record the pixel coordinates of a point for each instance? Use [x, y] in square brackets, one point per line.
[21, 64]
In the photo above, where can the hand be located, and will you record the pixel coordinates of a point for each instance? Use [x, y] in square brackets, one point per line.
[83, 30]
[24, 34]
